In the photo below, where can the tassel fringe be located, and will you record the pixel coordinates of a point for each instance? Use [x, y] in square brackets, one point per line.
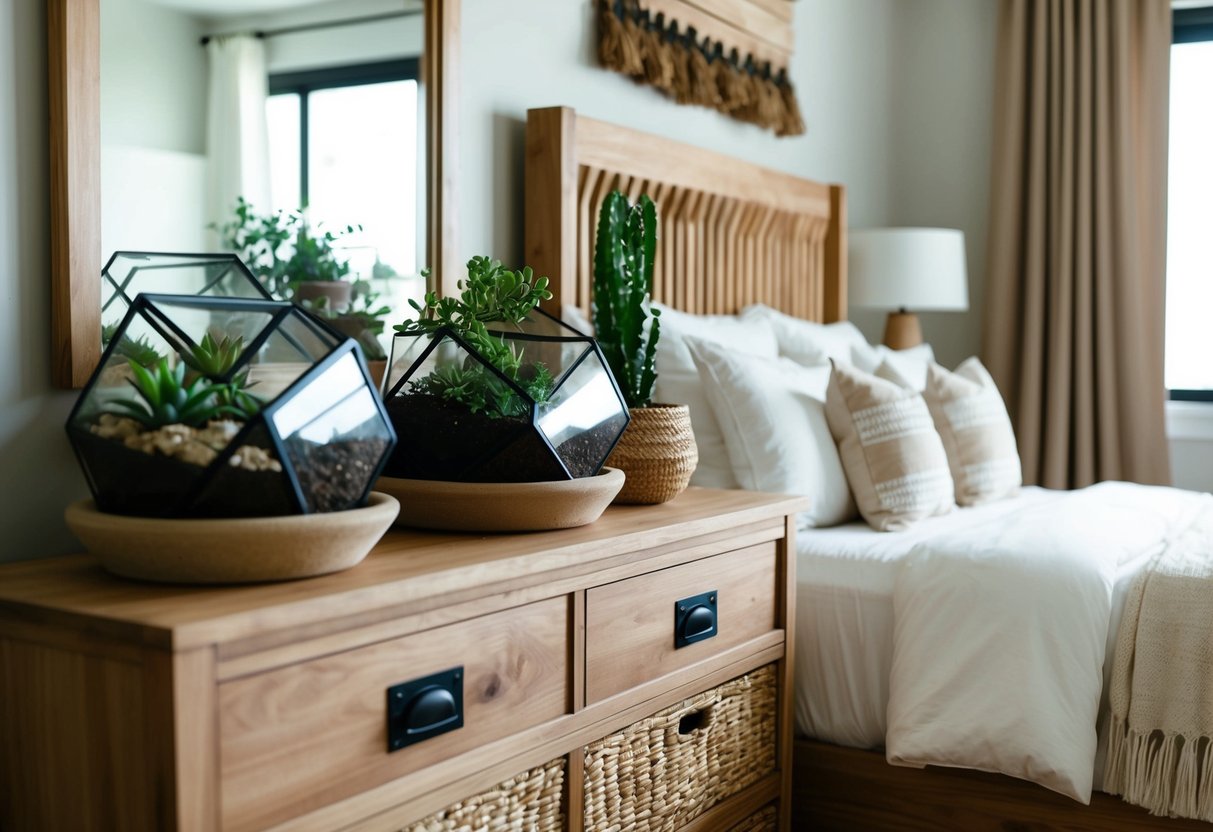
[1168, 774]
[694, 72]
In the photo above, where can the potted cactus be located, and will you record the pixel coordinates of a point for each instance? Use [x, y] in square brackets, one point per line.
[657, 451]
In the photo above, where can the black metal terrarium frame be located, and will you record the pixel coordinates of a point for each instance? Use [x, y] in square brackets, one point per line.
[144, 304]
[436, 338]
[121, 284]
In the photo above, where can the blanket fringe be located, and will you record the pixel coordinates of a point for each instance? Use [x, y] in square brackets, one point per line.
[1168, 774]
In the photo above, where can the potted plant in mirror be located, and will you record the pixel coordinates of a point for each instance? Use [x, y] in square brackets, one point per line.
[488, 393]
[364, 320]
[212, 460]
[292, 260]
[657, 451]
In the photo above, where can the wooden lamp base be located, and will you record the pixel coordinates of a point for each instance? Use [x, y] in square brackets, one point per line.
[901, 331]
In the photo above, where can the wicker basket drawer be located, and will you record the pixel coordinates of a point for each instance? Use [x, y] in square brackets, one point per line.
[664, 771]
[631, 625]
[529, 802]
[765, 819]
[300, 737]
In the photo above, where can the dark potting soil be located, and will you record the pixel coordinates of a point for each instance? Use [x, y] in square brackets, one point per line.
[586, 452]
[333, 476]
[131, 482]
[441, 440]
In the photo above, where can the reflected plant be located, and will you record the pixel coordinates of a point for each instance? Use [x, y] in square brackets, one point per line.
[138, 350]
[281, 249]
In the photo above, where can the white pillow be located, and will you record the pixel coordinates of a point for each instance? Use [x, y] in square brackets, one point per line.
[772, 414]
[678, 380]
[910, 365]
[810, 343]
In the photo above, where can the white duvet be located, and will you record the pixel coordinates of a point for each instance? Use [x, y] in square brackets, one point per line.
[1001, 631]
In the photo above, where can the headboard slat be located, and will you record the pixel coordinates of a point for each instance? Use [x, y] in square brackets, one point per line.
[732, 233]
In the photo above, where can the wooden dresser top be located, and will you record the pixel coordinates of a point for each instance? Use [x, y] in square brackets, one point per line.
[407, 570]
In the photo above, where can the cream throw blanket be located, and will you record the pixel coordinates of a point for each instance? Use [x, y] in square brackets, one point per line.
[1160, 753]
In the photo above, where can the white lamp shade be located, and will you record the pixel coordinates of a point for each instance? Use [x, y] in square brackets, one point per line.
[908, 268]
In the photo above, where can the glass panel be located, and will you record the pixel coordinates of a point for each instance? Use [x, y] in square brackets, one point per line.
[584, 417]
[441, 436]
[283, 116]
[362, 157]
[129, 274]
[251, 483]
[334, 436]
[198, 320]
[1189, 218]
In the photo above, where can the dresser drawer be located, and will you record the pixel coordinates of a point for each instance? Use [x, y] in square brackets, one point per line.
[295, 739]
[631, 625]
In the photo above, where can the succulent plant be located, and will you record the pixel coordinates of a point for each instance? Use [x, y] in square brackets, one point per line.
[138, 350]
[165, 398]
[623, 280]
[213, 360]
[490, 293]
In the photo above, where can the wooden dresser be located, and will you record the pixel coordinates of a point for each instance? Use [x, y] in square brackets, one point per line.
[371, 699]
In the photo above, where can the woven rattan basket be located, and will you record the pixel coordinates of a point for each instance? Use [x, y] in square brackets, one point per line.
[664, 771]
[765, 819]
[657, 453]
[532, 801]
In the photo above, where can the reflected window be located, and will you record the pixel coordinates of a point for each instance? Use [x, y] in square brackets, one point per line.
[344, 145]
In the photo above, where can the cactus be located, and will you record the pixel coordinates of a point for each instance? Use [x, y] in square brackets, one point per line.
[623, 279]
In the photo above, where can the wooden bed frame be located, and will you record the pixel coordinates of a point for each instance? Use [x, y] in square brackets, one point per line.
[734, 233]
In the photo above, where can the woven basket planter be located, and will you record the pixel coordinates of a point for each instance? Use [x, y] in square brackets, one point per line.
[531, 801]
[662, 772]
[657, 453]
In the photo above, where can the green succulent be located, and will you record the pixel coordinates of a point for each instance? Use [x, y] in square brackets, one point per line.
[138, 350]
[482, 391]
[624, 252]
[491, 293]
[213, 358]
[165, 398]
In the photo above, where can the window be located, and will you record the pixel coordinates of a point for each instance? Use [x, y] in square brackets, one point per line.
[1189, 344]
[344, 145]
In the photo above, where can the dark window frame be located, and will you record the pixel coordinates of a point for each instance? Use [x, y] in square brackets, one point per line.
[1192, 26]
[305, 82]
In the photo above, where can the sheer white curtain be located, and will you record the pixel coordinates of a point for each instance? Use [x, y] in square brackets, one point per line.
[237, 134]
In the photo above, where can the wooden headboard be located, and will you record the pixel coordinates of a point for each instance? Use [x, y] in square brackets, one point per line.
[732, 233]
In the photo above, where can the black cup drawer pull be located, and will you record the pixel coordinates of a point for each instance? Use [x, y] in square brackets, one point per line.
[694, 619]
[424, 708]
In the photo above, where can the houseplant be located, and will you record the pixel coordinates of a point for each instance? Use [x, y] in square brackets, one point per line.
[249, 409]
[657, 451]
[485, 387]
[292, 260]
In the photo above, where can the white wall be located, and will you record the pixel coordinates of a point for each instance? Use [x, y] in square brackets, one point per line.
[842, 70]
[38, 476]
[163, 108]
[866, 70]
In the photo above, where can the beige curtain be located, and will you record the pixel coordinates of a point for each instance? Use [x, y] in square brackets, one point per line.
[1077, 250]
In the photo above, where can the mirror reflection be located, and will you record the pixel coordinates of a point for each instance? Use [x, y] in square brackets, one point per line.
[289, 132]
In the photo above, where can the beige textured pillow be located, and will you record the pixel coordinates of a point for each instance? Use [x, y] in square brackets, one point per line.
[972, 421]
[894, 459]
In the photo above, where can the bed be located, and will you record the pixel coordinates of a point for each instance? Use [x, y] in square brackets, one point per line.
[736, 234]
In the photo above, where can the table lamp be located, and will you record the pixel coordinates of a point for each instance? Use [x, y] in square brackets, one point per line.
[904, 268]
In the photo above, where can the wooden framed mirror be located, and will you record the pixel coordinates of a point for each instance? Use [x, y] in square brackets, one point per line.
[74, 29]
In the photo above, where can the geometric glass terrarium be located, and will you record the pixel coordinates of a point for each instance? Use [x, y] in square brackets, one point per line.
[459, 418]
[130, 273]
[228, 407]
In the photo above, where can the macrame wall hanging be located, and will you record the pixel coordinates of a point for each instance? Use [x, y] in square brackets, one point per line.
[731, 55]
